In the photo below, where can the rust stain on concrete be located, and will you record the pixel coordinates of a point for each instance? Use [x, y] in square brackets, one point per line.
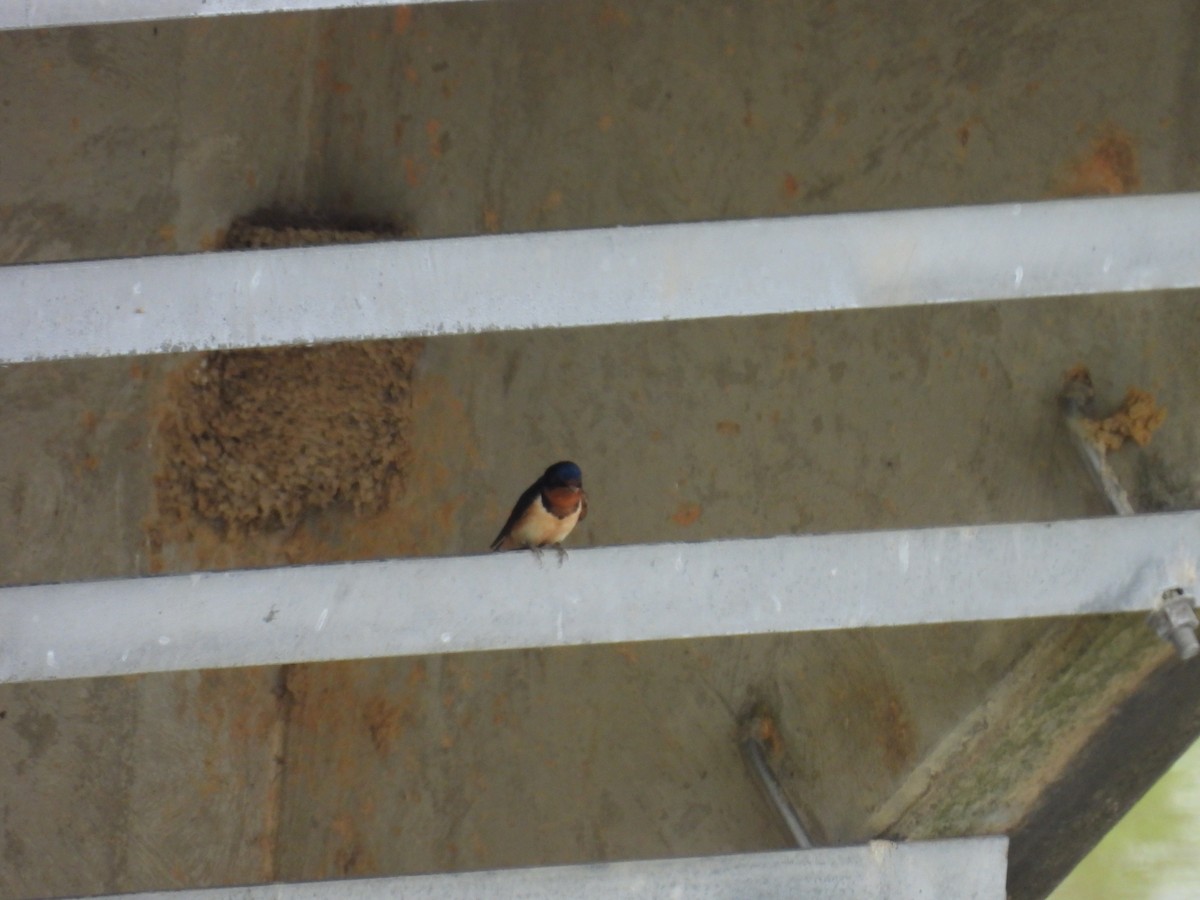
[1108, 167]
[612, 16]
[687, 514]
[894, 734]
[627, 652]
[349, 855]
[387, 717]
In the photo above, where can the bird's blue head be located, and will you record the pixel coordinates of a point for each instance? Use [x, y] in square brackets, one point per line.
[563, 473]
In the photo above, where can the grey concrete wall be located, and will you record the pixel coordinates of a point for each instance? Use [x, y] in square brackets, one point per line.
[473, 118]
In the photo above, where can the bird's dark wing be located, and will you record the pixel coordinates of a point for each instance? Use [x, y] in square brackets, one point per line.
[523, 502]
[582, 505]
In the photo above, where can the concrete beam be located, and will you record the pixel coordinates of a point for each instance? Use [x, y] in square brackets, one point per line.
[968, 869]
[606, 595]
[56, 13]
[596, 277]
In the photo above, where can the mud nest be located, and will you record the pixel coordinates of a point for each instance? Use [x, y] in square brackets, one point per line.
[1137, 418]
[274, 228]
[257, 439]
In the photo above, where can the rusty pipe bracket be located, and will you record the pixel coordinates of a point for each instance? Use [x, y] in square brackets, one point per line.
[1175, 621]
[1076, 402]
[755, 752]
[1175, 618]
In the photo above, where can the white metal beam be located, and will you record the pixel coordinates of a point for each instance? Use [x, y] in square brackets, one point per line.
[606, 595]
[621, 275]
[55, 13]
[966, 869]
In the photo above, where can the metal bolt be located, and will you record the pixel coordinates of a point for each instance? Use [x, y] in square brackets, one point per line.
[1175, 621]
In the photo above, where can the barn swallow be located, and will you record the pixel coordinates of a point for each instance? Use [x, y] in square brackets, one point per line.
[547, 512]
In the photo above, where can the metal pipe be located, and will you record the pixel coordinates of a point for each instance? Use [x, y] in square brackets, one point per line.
[755, 753]
[1076, 400]
[1174, 618]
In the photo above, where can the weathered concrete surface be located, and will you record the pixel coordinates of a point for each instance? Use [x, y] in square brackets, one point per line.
[637, 759]
[130, 139]
[74, 480]
[115, 784]
[480, 117]
[516, 116]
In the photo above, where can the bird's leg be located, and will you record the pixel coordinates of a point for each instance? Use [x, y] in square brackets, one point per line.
[537, 553]
[562, 554]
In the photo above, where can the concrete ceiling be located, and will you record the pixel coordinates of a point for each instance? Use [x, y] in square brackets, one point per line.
[129, 140]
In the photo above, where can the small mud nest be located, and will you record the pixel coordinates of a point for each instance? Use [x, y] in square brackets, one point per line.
[254, 440]
[275, 228]
[1137, 418]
